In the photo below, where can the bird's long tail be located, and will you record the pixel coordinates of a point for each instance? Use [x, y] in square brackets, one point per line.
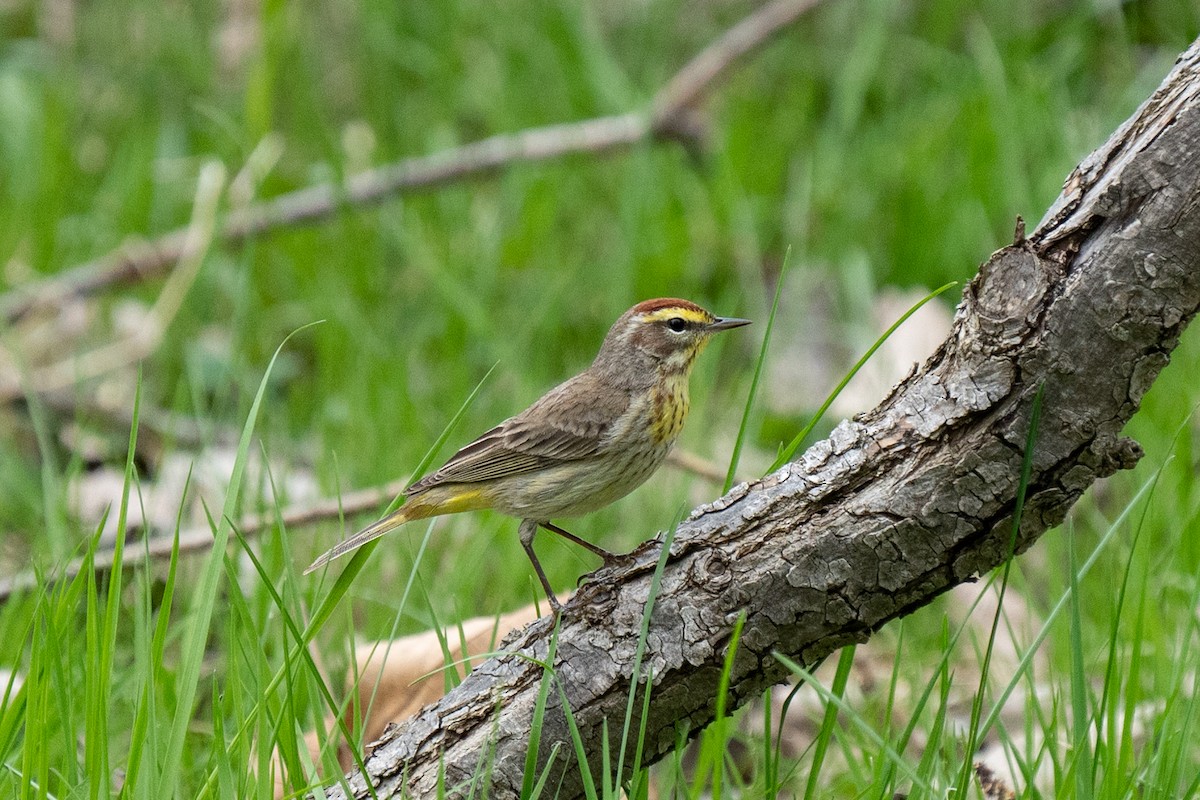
[405, 513]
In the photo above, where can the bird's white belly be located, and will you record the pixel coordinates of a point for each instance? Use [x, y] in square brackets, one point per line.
[578, 487]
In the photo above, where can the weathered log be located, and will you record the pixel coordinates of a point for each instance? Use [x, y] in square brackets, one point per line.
[894, 508]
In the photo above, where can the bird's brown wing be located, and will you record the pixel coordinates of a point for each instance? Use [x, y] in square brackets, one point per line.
[561, 426]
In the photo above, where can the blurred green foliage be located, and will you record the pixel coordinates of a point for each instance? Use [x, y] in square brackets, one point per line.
[885, 143]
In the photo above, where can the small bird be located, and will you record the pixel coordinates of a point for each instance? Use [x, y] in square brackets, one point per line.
[582, 445]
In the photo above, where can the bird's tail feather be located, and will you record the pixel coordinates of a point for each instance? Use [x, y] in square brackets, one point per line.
[406, 513]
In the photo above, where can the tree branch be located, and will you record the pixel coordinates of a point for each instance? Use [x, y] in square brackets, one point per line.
[894, 508]
[671, 117]
[160, 545]
[201, 538]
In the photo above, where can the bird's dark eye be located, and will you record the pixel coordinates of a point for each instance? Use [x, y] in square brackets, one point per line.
[677, 324]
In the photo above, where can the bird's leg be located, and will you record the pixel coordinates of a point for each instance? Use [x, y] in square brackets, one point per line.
[586, 545]
[527, 531]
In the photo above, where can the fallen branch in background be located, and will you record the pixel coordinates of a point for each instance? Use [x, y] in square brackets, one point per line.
[199, 539]
[671, 116]
[128, 350]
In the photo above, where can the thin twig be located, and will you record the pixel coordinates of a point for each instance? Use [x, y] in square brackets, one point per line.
[700, 75]
[201, 538]
[127, 350]
[181, 430]
[295, 516]
[696, 464]
[671, 117]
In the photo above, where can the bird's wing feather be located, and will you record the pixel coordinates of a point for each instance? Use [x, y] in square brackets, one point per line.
[558, 427]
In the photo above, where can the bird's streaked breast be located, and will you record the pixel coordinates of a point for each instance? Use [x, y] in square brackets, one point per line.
[670, 407]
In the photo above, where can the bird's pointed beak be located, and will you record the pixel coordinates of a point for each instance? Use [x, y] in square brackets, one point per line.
[724, 323]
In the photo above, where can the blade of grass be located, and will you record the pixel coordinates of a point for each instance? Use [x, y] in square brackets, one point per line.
[639, 785]
[401, 606]
[449, 676]
[1082, 764]
[1170, 762]
[146, 714]
[95, 762]
[883, 771]
[720, 718]
[655, 585]
[789, 451]
[1111, 698]
[33, 767]
[290, 652]
[196, 631]
[1146, 490]
[714, 741]
[943, 680]
[1120, 767]
[608, 786]
[225, 780]
[540, 786]
[539, 713]
[13, 703]
[783, 713]
[966, 777]
[770, 767]
[298, 707]
[589, 785]
[96, 747]
[328, 604]
[758, 369]
[840, 678]
[864, 727]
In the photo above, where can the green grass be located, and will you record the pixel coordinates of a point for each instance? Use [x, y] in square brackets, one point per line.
[882, 144]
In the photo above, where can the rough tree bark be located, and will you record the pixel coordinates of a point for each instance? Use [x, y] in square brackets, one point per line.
[896, 507]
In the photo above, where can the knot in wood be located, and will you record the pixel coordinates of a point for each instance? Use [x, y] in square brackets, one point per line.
[710, 570]
[1007, 297]
[594, 601]
[1124, 454]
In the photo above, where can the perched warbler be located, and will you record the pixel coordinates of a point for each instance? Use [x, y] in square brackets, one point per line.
[583, 444]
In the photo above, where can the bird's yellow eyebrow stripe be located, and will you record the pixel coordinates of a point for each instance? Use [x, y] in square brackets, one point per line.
[689, 314]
